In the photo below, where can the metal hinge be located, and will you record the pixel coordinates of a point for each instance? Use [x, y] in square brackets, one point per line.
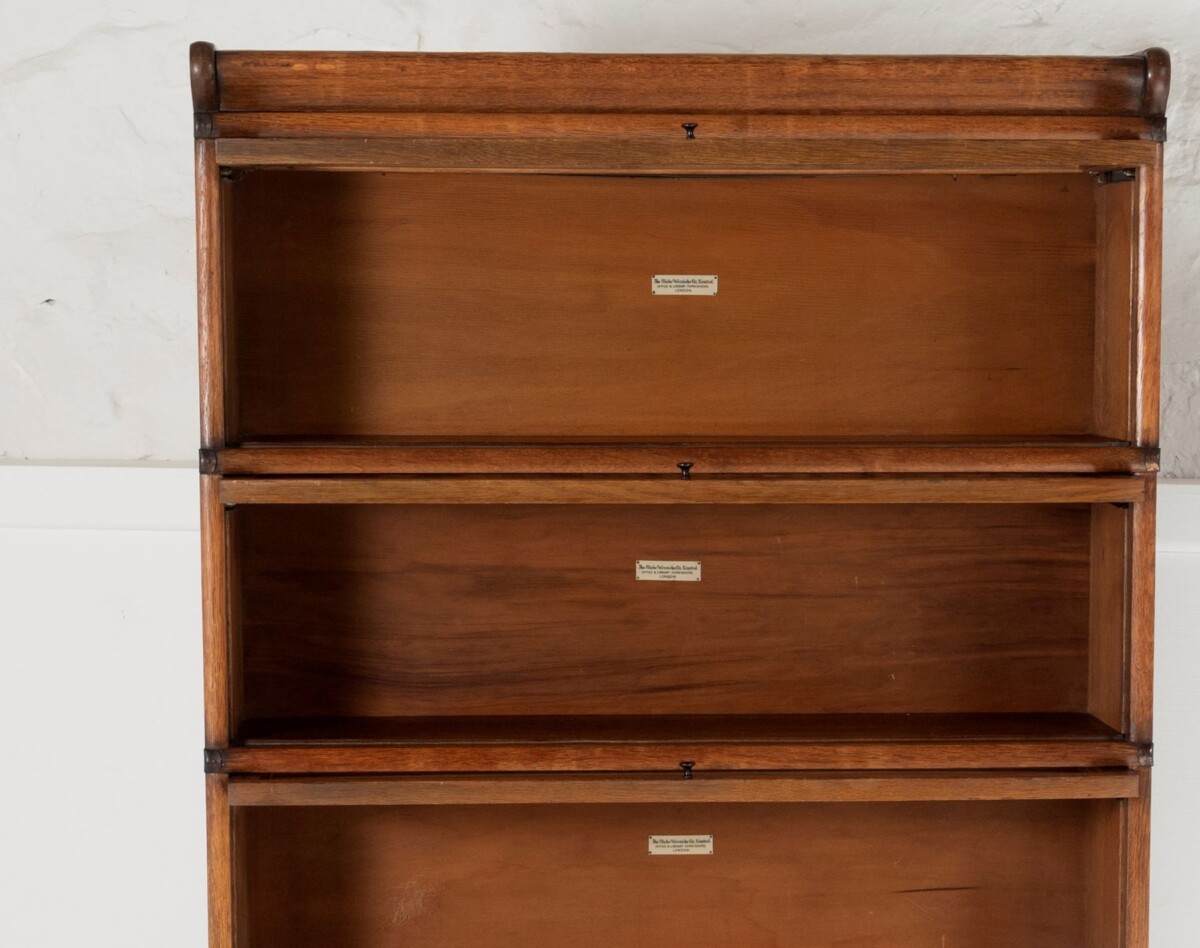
[1115, 175]
[214, 761]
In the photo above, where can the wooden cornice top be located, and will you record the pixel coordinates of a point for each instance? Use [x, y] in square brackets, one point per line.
[253, 81]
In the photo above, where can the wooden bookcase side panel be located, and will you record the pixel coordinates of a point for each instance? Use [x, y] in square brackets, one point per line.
[218, 622]
[211, 235]
[1148, 301]
[1135, 865]
[1141, 617]
[222, 864]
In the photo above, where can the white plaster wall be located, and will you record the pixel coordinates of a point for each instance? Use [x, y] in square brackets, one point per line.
[97, 351]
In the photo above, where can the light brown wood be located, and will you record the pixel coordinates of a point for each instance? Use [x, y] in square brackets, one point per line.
[1084, 456]
[1108, 625]
[379, 611]
[608, 83]
[1136, 904]
[665, 758]
[711, 156]
[210, 239]
[1114, 310]
[220, 862]
[703, 788]
[789, 875]
[1148, 301]
[522, 309]
[1141, 621]
[215, 614]
[1104, 875]
[741, 126]
[997, 489]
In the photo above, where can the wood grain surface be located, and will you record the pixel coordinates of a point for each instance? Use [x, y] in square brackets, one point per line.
[456, 307]
[524, 82]
[814, 787]
[457, 610]
[673, 490]
[978, 874]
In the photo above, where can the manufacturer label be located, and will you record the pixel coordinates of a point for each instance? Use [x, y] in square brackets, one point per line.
[683, 284]
[668, 571]
[681, 845]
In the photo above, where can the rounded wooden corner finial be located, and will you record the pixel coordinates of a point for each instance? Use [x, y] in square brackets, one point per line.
[1158, 82]
[203, 59]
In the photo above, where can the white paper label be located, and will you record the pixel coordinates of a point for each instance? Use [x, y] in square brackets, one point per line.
[681, 845]
[668, 571]
[683, 284]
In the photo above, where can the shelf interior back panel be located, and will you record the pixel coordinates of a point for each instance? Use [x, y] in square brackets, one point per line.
[520, 307]
[984, 874]
[392, 611]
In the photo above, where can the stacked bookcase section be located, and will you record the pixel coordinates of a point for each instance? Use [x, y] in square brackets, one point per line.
[683, 500]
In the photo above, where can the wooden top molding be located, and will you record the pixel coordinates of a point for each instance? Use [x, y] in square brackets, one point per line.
[255, 81]
[203, 66]
[1158, 82]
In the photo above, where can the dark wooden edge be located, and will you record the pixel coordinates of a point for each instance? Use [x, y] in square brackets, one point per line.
[209, 461]
[1157, 83]
[553, 789]
[666, 757]
[706, 458]
[202, 59]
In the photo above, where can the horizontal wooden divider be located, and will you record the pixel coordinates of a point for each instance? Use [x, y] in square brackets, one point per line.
[711, 788]
[655, 156]
[676, 490]
[1079, 457]
[660, 757]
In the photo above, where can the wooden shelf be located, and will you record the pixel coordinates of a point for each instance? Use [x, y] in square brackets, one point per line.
[671, 489]
[648, 743]
[704, 788]
[675, 156]
[1082, 455]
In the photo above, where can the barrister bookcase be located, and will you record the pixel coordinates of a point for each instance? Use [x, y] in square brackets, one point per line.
[678, 500]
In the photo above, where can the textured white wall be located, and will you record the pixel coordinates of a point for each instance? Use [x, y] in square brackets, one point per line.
[97, 351]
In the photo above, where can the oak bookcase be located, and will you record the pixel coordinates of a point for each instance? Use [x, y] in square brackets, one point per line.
[678, 500]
